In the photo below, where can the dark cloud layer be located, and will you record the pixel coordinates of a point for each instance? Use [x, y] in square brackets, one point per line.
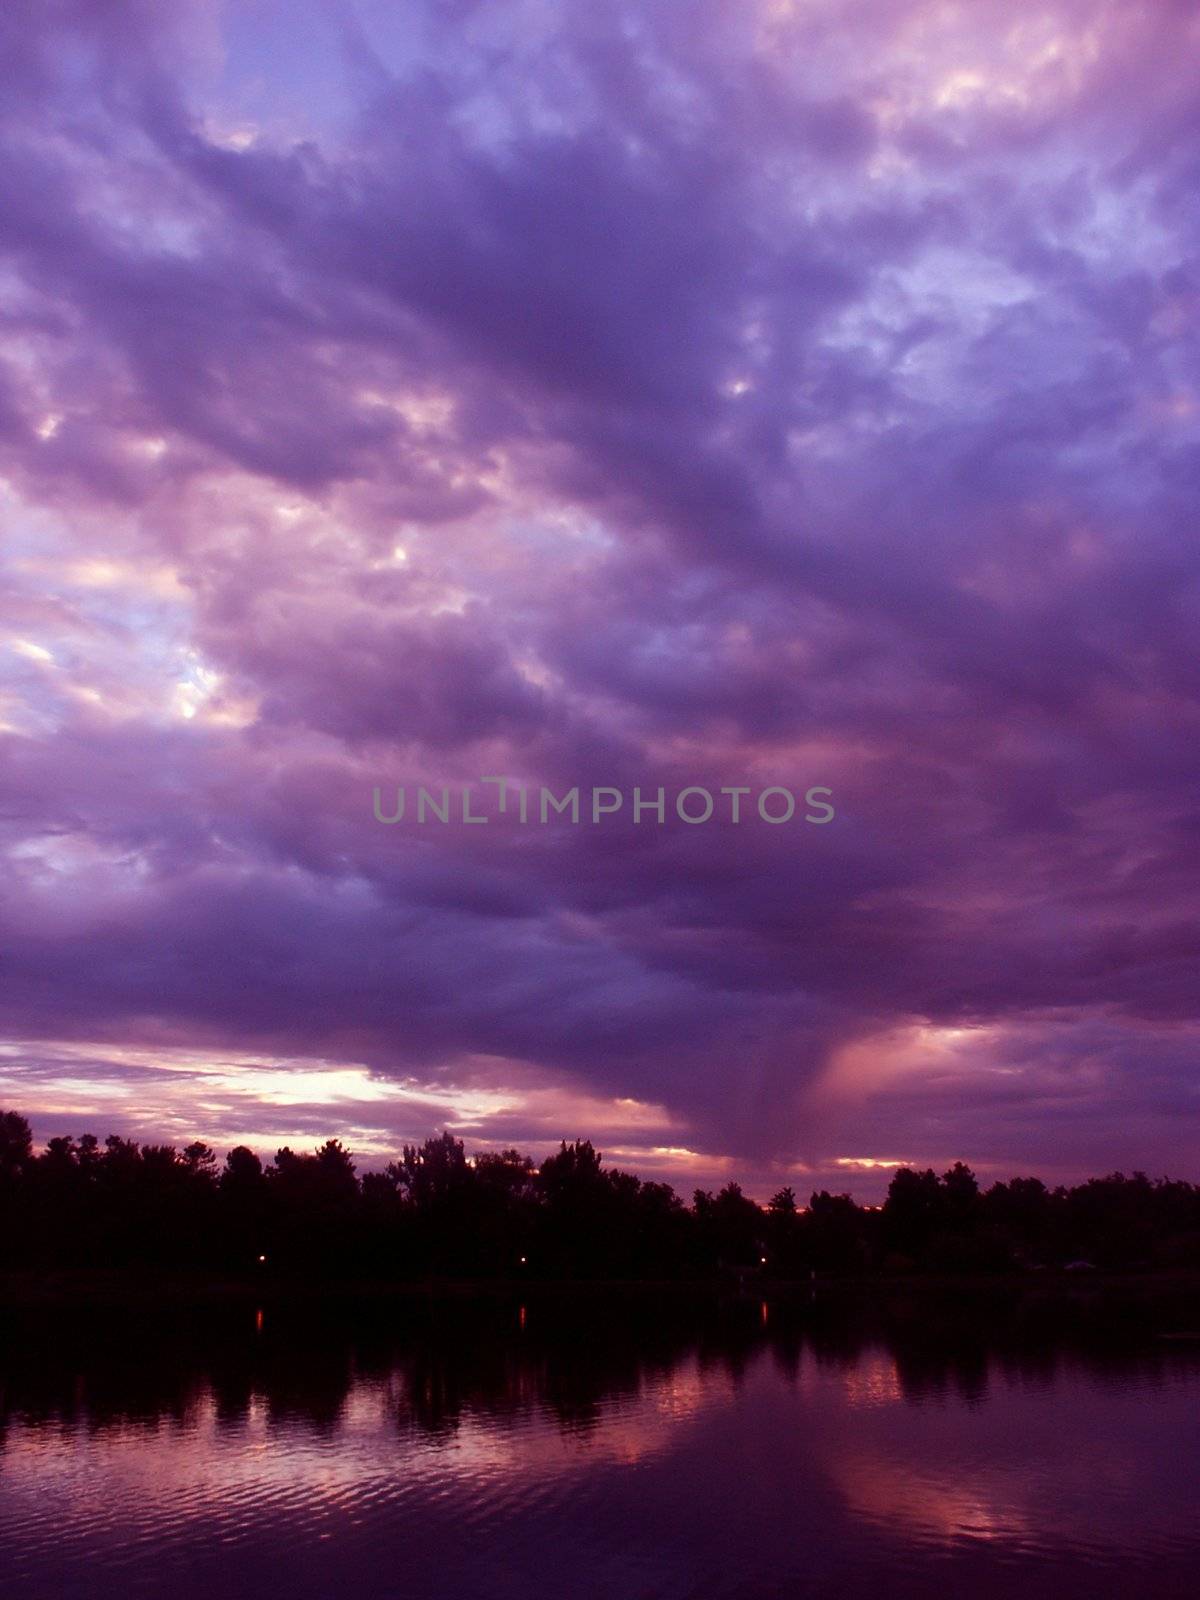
[629, 395]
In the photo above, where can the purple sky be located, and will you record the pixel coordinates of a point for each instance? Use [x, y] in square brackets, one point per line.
[797, 392]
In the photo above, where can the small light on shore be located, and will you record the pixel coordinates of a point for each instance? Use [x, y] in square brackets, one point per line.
[262, 1258]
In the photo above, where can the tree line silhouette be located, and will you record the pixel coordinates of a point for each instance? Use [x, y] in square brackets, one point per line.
[437, 1212]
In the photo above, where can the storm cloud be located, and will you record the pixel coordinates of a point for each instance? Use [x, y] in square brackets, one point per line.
[764, 394]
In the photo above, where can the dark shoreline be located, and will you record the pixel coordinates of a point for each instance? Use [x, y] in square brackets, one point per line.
[138, 1289]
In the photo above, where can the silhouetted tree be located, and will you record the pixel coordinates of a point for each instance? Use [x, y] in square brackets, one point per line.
[836, 1234]
[436, 1210]
[16, 1147]
[575, 1236]
[731, 1227]
[16, 1155]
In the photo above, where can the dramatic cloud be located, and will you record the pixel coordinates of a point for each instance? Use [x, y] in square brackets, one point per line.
[638, 395]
